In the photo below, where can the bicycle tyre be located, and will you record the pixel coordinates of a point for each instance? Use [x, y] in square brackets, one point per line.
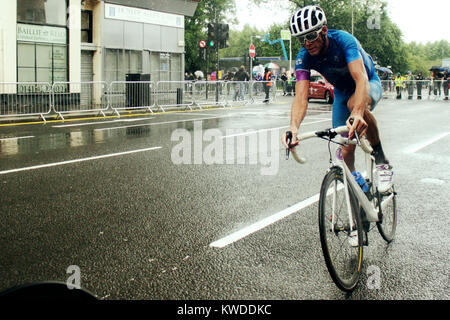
[388, 225]
[344, 268]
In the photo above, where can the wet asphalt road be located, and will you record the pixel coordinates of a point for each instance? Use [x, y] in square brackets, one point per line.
[136, 202]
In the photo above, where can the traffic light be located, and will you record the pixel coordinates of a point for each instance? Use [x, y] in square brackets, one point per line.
[254, 60]
[212, 39]
[223, 35]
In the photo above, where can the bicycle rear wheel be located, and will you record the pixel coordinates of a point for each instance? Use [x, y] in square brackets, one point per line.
[343, 256]
[388, 225]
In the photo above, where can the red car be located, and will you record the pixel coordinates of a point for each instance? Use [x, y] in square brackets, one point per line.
[320, 88]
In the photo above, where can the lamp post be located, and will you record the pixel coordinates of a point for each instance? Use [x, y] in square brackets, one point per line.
[353, 19]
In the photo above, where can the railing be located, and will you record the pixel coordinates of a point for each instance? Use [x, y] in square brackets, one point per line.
[25, 99]
[18, 99]
[416, 89]
[209, 93]
[71, 97]
[171, 94]
[131, 95]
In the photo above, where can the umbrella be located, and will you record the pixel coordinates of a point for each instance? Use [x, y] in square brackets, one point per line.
[272, 65]
[383, 69]
[259, 69]
[438, 68]
[199, 74]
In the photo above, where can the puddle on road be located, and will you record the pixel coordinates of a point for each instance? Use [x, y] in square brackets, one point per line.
[78, 138]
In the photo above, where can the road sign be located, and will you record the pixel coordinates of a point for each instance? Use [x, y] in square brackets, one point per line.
[285, 35]
[252, 51]
[202, 43]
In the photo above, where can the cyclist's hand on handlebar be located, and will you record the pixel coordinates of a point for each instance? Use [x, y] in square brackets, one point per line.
[356, 122]
[289, 139]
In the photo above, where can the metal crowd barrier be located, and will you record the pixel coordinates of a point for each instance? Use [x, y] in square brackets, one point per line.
[172, 94]
[237, 92]
[70, 97]
[416, 89]
[260, 90]
[40, 98]
[25, 99]
[206, 93]
[131, 95]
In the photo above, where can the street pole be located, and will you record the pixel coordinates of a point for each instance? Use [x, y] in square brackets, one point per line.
[352, 17]
[219, 34]
[251, 60]
[290, 53]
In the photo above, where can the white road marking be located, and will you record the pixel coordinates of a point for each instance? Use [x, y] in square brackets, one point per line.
[99, 122]
[47, 165]
[270, 129]
[158, 123]
[238, 235]
[16, 138]
[427, 143]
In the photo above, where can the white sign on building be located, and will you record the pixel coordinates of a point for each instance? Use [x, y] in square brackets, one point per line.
[34, 33]
[113, 11]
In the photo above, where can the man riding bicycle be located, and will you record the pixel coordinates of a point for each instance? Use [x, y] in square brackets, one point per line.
[340, 58]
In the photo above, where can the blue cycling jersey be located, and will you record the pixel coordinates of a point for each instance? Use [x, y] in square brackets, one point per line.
[333, 65]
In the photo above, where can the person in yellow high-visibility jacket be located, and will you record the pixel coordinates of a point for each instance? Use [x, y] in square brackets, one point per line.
[399, 83]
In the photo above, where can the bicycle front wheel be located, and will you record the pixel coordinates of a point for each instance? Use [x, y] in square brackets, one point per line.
[343, 252]
[388, 225]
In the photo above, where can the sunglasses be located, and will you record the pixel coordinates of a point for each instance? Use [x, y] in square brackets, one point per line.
[310, 37]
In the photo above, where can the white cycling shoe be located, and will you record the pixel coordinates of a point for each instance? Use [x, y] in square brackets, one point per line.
[353, 238]
[384, 177]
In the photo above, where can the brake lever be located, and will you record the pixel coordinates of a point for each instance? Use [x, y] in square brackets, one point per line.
[288, 142]
[356, 133]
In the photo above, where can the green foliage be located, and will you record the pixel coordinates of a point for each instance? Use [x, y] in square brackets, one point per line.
[384, 42]
[196, 29]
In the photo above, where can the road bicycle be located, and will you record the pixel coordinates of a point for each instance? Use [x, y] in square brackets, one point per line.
[346, 213]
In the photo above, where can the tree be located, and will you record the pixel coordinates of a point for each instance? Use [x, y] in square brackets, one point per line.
[196, 28]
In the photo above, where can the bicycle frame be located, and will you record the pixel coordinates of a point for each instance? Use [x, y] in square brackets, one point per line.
[349, 182]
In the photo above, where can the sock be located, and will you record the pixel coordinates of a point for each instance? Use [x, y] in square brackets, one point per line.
[378, 153]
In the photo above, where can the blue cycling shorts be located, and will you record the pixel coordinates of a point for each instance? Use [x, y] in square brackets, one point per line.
[340, 109]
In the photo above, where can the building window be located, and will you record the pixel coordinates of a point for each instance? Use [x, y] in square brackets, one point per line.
[119, 62]
[50, 12]
[39, 62]
[165, 66]
[86, 26]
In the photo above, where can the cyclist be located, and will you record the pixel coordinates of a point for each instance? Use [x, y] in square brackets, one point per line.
[340, 58]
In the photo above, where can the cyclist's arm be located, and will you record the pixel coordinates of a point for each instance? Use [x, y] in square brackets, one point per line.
[298, 110]
[359, 101]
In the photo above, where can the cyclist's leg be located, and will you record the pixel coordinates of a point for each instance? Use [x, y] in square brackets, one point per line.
[374, 96]
[341, 113]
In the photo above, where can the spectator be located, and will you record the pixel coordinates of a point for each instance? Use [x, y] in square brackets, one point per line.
[284, 79]
[228, 77]
[384, 80]
[436, 78]
[291, 84]
[398, 81]
[267, 83]
[240, 76]
[410, 85]
[419, 85]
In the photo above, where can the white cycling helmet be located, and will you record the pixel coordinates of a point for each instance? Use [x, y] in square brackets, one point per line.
[307, 19]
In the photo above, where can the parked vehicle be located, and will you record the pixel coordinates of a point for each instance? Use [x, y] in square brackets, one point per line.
[320, 88]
